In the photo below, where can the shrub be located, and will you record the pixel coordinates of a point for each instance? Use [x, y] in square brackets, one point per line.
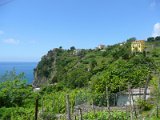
[144, 105]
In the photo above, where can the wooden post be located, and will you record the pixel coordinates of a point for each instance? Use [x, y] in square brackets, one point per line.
[36, 109]
[108, 106]
[130, 102]
[139, 92]
[157, 111]
[42, 105]
[115, 104]
[158, 97]
[72, 110]
[93, 108]
[68, 116]
[53, 105]
[80, 113]
[126, 112]
[133, 106]
[58, 105]
[146, 87]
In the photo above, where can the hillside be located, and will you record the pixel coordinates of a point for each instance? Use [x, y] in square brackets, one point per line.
[94, 81]
[114, 66]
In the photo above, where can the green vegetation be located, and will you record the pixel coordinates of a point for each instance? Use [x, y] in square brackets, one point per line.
[115, 67]
[105, 116]
[16, 97]
[84, 75]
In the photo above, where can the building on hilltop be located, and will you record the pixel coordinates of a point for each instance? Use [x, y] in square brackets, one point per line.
[77, 51]
[100, 47]
[138, 46]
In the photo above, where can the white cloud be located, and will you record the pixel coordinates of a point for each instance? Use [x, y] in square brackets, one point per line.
[11, 41]
[156, 30]
[1, 32]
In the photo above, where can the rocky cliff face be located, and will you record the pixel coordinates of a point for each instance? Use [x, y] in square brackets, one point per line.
[46, 69]
[62, 66]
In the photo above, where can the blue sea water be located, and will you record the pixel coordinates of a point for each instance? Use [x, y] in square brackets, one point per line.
[26, 67]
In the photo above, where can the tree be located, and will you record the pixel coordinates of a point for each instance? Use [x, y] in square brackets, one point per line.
[78, 78]
[60, 47]
[157, 38]
[150, 39]
[92, 64]
[131, 39]
[72, 48]
[13, 92]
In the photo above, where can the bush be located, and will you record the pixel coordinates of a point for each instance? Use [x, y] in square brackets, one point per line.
[144, 105]
[105, 116]
[48, 116]
[16, 113]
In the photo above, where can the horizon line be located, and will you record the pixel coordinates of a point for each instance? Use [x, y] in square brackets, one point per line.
[19, 61]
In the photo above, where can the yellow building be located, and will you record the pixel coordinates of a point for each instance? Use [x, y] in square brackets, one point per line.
[138, 46]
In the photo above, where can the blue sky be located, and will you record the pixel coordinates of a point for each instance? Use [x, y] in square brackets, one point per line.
[30, 28]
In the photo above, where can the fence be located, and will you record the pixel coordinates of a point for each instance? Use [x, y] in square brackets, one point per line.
[88, 106]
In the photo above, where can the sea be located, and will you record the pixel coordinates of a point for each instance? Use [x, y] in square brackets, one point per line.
[26, 67]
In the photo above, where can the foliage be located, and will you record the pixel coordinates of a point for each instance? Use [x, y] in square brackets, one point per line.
[105, 116]
[72, 48]
[144, 105]
[131, 39]
[157, 38]
[84, 76]
[16, 97]
[13, 92]
[16, 113]
[115, 67]
[150, 39]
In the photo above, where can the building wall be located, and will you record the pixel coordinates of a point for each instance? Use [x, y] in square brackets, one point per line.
[138, 46]
[123, 100]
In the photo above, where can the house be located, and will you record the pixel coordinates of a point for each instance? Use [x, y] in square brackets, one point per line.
[101, 47]
[77, 51]
[121, 44]
[138, 46]
[123, 99]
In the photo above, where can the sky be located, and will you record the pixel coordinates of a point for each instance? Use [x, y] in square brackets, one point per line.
[30, 28]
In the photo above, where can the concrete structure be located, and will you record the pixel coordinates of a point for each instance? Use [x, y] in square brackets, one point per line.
[123, 98]
[138, 46]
